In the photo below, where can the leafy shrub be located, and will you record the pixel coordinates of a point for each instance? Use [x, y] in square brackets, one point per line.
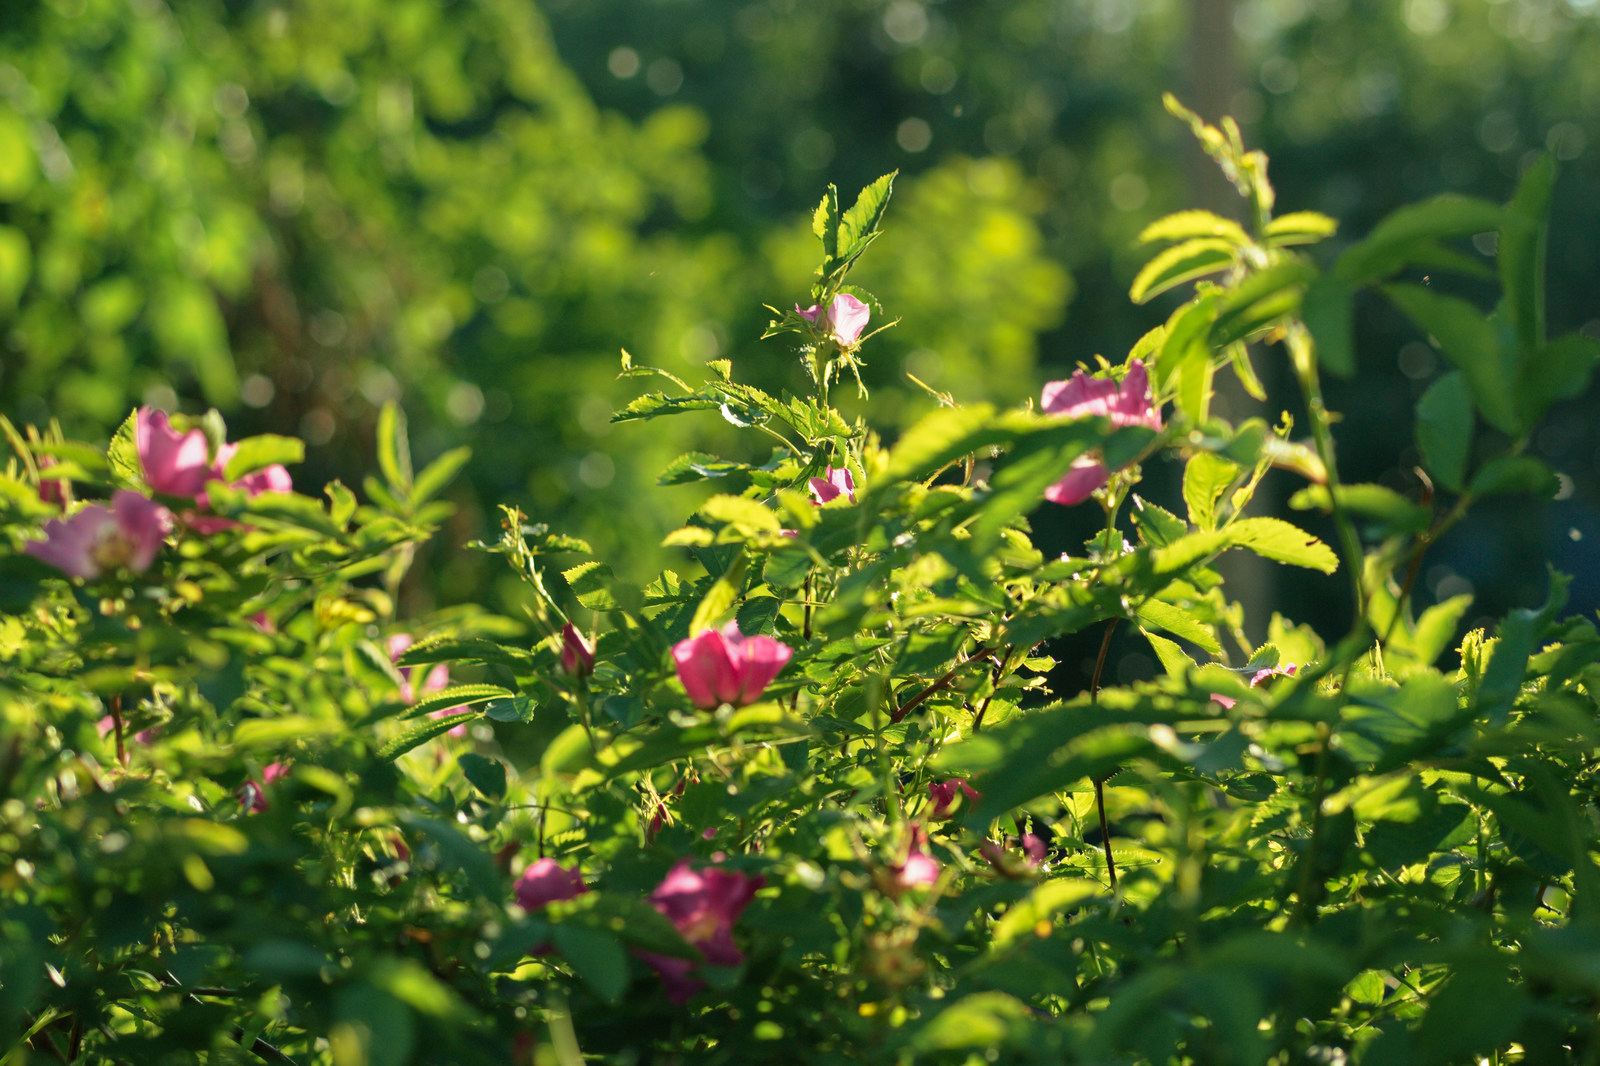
[817, 798]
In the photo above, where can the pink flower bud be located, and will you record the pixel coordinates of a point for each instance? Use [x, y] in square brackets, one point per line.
[1006, 860]
[577, 654]
[98, 538]
[719, 667]
[54, 491]
[253, 797]
[703, 905]
[1127, 403]
[943, 796]
[1286, 670]
[546, 882]
[838, 482]
[919, 869]
[846, 317]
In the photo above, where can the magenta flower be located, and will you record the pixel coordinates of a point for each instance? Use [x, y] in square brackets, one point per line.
[1261, 675]
[943, 796]
[546, 882]
[1127, 403]
[98, 538]
[836, 483]
[724, 666]
[703, 905]
[176, 464]
[577, 654]
[436, 680]
[253, 797]
[55, 491]
[1007, 862]
[846, 317]
[108, 725]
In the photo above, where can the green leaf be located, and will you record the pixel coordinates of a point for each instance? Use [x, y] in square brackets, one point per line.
[457, 696]
[1171, 656]
[1273, 538]
[825, 223]
[988, 1020]
[1375, 501]
[1179, 623]
[1205, 478]
[1558, 371]
[721, 596]
[1521, 252]
[938, 439]
[1518, 635]
[394, 450]
[1327, 310]
[458, 851]
[1444, 429]
[123, 452]
[1468, 340]
[591, 583]
[597, 957]
[1186, 224]
[1514, 473]
[487, 775]
[746, 515]
[1182, 262]
[859, 227]
[1260, 300]
[1299, 227]
[256, 453]
[424, 731]
[437, 474]
[1398, 239]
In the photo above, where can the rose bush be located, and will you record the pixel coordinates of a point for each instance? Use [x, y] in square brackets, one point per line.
[820, 793]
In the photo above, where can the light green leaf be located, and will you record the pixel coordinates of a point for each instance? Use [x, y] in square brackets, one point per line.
[721, 596]
[591, 583]
[1186, 224]
[457, 696]
[1205, 478]
[394, 450]
[256, 453]
[1179, 623]
[1182, 262]
[1299, 227]
[747, 515]
[1375, 501]
[437, 474]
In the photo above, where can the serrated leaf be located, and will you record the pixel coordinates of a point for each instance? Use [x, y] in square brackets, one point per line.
[591, 583]
[1179, 623]
[123, 452]
[422, 732]
[655, 404]
[688, 537]
[1444, 429]
[513, 709]
[697, 466]
[1182, 262]
[1173, 661]
[1396, 240]
[1468, 340]
[596, 956]
[825, 222]
[720, 597]
[1273, 538]
[1157, 526]
[1186, 224]
[859, 227]
[457, 696]
[394, 451]
[1205, 478]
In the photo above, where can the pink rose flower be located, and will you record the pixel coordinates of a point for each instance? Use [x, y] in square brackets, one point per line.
[1007, 862]
[1286, 670]
[703, 905]
[253, 797]
[577, 654]
[943, 796]
[724, 666]
[436, 680]
[1127, 403]
[546, 882]
[98, 538]
[180, 464]
[920, 869]
[836, 483]
[846, 317]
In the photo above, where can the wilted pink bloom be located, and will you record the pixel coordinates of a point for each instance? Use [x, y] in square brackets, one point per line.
[846, 317]
[174, 463]
[577, 654]
[920, 869]
[98, 538]
[253, 796]
[703, 905]
[838, 482]
[1081, 396]
[436, 680]
[1286, 670]
[547, 881]
[943, 796]
[1006, 860]
[724, 666]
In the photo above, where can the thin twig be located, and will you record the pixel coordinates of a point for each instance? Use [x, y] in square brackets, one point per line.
[1100, 782]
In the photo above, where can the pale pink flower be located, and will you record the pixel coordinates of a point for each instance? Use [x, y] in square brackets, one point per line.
[846, 317]
[97, 538]
[175, 464]
[724, 666]
[837, 482]
[1127, 403]
[1286, 670]
[703, 905]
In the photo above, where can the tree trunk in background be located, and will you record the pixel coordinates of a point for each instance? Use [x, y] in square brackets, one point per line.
[1213, 85]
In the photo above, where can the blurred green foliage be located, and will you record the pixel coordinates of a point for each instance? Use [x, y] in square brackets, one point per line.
[296, 211]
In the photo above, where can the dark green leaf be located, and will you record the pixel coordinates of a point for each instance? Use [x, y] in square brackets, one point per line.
[487, 775]
[1468, 340]
[1397, 240]
[1327, 312]
[1444, 429]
